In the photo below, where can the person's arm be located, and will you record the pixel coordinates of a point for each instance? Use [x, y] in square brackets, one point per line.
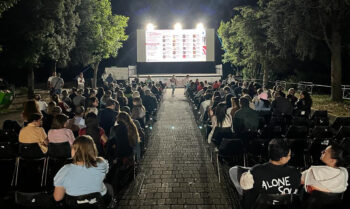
[104, 138]
[59, 193]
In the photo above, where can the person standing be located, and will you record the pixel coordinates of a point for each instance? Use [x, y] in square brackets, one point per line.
[81, 81]
[50, 79]
[57, 84]
[173, 84]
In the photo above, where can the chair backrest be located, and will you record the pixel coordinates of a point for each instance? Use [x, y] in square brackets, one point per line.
[298, 132]
[301, 121]
[319, 114]
[343, 132]
[53, 166]
[7, 167]
[8, 150]
[341, 121]
[321, 132]
[93, 201]
[231, 147]
[59, 150]
[30, 174]
[275, 201]
[8, 136]
[235, 176]
[30, 150]
[320, 200]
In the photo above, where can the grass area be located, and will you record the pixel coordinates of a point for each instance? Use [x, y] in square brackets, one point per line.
[323, 102]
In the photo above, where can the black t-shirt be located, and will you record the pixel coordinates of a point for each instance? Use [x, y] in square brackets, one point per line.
[274, 179]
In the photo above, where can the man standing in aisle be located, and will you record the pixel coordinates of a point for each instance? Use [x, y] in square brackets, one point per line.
[173, 84]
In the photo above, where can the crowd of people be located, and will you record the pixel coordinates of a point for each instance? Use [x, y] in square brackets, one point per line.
[242, 110]
[105, 129]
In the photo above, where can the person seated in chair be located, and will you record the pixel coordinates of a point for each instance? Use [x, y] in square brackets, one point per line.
[331, 177]
[245, 118]
[34, 133]
[85, 175]
[273, 177]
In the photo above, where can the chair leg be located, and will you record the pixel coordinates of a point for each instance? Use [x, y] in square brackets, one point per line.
[218, 167]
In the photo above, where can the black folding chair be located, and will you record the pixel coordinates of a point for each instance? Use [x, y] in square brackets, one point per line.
[323, 200]
[88, 201]
[269, 201]
[340, 121]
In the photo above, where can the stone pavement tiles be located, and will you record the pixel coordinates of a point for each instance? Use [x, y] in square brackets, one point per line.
[176, 171]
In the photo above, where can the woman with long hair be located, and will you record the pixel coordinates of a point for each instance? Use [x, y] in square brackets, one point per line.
[30, 107]
[85, 175]
[138, 111]
[303, 105]
[122, 139]
[97, 133]
[121, 98]
[221, 124]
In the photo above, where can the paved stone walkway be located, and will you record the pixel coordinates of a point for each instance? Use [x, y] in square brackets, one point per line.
[176, 171]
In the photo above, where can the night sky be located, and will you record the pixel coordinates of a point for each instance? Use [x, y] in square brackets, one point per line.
[164, 14]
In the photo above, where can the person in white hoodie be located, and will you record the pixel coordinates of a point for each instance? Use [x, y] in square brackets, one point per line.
[331, 177]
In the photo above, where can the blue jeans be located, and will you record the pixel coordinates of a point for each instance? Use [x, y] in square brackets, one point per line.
[173, 87]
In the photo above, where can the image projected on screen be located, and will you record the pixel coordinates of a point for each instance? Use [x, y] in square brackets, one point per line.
[176, 46]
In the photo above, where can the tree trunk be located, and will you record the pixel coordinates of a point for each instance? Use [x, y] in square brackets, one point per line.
[336, 65]
[94, 80]
[265, 75]
[30, 83]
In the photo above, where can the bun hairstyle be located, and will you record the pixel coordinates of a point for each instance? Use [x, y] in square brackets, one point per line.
[341, 153]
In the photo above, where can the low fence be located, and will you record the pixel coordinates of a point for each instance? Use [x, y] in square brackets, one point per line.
[306, 86]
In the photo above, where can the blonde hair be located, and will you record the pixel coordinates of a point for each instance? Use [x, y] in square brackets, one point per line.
[133, 133]
[85, 151]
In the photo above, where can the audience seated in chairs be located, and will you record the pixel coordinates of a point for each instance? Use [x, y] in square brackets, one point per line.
[82, 177]
[281, 105]
[273, 177]
[77, 122]
[34, 133]
[303, 105]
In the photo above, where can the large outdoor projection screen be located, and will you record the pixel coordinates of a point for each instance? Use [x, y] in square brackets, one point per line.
[175, 45]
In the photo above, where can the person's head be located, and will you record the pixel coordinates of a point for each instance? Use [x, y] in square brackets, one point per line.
[108, 93]
[79, 111]
[148, 92]
[220, 113]
[91, 120]
[259, 91]
[244, 102]
[173, 76]
[227, 89]
[120, 93]
[64, 93]
[54, 73]
[133, 134]
[92, 102]
[81, 75]
[111, 103]
[234, 102]
[84, 151]
[136, 94]
[56, 110]
[279, 151]
[276, 94]
[305, 95]
[291, 91]
[208, 96]
[50, 107]
[126, 109]
[100, 91]
[37, 97]
[55, 98]
[92, 93]
[59, 121]
[228, 100]
[80, 91]
[216, 101]
[59, 75]
[29, 108]
[336, 155]
[137, 101]
[35, 119]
